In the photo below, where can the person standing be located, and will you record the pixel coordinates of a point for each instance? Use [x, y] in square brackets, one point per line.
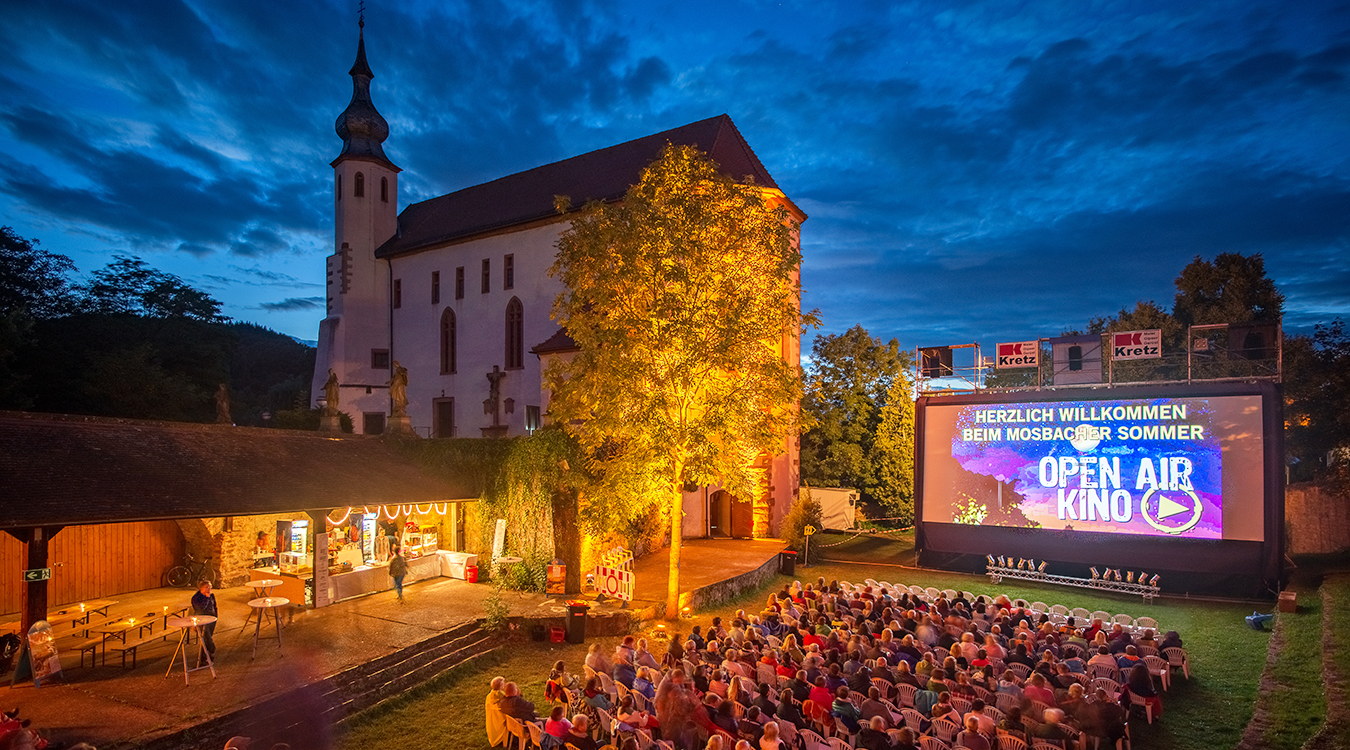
[204, 604]
[398, 569]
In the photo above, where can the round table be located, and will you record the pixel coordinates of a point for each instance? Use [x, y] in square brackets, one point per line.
[193, 623]
[262, 587]
[267, 607]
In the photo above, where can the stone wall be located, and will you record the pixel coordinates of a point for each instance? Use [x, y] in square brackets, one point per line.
[1316, 521]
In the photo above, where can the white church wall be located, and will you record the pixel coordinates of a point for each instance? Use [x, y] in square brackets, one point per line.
[480, 323]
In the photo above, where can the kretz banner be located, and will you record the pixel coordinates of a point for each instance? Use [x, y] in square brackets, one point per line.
[1136, 345]
[1021, 354]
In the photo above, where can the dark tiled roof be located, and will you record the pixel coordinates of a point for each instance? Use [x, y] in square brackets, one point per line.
[558, 342]
[66, 470]
[599, 175]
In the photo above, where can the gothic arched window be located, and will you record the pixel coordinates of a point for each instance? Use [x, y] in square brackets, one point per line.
[515, 334]
[384, 189]
[447, 341]
[360, 190]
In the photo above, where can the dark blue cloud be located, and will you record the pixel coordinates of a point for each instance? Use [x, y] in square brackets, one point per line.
[973, 170]
[293, 303]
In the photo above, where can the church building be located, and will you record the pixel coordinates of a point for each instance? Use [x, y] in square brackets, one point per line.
[456, 291]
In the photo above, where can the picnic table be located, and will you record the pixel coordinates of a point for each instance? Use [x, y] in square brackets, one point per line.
[70, 613]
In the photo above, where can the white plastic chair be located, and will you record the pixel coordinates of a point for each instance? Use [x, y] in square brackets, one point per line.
[1080, 615]
[1101, 615]
[1139, 700]
[1158, 667]
[1177, 657]
[1124, 621]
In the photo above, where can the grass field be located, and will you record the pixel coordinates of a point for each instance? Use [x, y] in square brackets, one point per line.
[1208, 711]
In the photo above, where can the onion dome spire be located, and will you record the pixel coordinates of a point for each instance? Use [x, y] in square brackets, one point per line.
[360, 126]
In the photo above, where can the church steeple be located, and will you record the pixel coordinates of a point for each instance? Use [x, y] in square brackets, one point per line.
[360, 126]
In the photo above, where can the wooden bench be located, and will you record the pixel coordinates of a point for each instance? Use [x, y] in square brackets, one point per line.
[131, 645]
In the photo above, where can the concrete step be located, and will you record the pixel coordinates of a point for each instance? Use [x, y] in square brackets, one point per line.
[304, 717]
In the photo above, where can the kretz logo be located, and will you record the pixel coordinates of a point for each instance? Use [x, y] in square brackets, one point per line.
[1020, 354]
[1136, 345]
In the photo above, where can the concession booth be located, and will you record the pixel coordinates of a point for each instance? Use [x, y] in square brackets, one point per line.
[346, 552]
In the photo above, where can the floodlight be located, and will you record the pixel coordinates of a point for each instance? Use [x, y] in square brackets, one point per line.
[1095, 574]
[1141, 576]
[1117, 572]
[1041, 569]
[991, 559]
[1154, 581]
[1129, 576]
[1001, 562]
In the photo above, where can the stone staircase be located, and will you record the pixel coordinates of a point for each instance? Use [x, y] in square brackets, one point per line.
[304, 717]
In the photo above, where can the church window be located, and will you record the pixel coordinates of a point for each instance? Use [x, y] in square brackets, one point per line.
[384, 189]
[359, 190]
[515, 334]
[435, 287]
[379, 359]
[459, 283]
[509, 272]
[398, 293]
[487, 276]
[448, 341]
[339, 187]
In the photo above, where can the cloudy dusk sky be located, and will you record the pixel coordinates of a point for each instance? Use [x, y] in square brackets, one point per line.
[974, 171]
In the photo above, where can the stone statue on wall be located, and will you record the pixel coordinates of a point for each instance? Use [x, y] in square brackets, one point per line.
[330, 394]
[223, 405]
[398, 390]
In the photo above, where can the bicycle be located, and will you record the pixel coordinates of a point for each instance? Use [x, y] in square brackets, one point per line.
[188, 574]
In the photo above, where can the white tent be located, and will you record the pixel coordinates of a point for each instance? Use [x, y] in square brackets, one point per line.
[837, 506]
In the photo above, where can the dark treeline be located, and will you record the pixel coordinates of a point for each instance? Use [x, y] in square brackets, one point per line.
[136, 342]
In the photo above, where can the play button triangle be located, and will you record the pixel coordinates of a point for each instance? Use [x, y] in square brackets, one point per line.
[1167, 507]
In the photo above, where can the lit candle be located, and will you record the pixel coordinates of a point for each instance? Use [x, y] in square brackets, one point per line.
[81, 606]
[194, 621]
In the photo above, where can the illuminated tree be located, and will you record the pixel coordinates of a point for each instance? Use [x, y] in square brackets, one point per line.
[893, 452]
[680, 297]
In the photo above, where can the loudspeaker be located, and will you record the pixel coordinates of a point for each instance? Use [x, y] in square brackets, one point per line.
[936, 362]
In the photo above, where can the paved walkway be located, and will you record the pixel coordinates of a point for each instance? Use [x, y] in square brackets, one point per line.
[109, 706]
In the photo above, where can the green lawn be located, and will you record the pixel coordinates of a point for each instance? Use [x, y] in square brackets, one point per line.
[1208, 711]
[1295, 703]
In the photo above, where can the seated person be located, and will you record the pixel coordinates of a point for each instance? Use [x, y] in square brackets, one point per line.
[725, 717]
[874, 736]
[1051, 729]
[971, 737]
[557, 724]
[1127, 660]
[1103, 717]
[944, 709]
[1140, 682]
[580, 735]
[1037, 690]
[749, 728]
[874, 708]
[515, 706]
[843, 710]
[595, 696]
[1012, 724]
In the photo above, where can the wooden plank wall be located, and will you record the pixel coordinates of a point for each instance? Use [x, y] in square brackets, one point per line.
[90, 562]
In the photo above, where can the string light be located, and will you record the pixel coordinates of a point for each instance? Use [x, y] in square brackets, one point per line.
[342, 520]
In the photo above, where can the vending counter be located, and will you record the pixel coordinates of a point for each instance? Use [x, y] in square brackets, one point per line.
[369, 579]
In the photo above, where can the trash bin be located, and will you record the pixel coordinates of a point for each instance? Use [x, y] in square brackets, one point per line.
[787, 562]
[576, 621]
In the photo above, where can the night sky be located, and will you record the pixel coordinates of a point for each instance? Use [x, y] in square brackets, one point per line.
[974, 171]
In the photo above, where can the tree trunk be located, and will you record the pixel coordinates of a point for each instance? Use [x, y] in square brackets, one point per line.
[676, 537]
[567, 537]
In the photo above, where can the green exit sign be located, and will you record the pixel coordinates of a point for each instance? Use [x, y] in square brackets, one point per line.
[37, 574]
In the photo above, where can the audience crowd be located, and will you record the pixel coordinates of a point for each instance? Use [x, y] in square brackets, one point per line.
[878, 667]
